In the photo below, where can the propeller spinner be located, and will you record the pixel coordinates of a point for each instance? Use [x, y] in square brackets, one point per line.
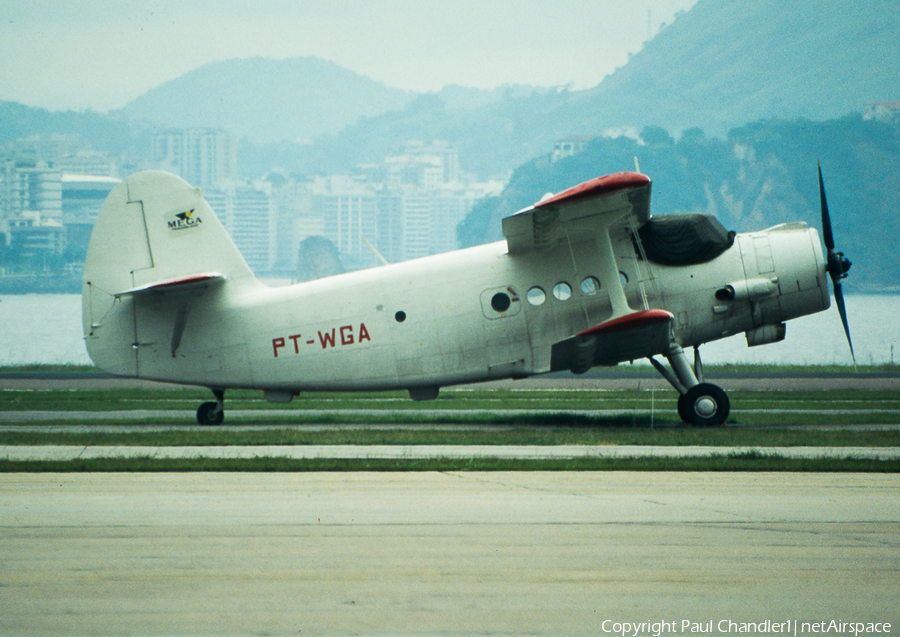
[838, 265]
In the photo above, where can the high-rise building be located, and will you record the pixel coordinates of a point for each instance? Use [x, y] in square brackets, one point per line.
[249, 215]
[349, 211]
[82, 198]
[31, 187]
[202, 157]
[408, 206]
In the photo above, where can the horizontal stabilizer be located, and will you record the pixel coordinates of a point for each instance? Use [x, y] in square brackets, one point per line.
[185, 283]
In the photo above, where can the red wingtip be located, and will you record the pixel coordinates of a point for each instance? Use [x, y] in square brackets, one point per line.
[605, 185]
[629, 322]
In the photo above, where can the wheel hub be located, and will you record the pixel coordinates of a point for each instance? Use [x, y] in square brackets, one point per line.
[706, 407]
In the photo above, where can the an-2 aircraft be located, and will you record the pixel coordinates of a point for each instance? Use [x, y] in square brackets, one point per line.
[584, 278]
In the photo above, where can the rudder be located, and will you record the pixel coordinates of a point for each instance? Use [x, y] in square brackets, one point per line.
[153, 230]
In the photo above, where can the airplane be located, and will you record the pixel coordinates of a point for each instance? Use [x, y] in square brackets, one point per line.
[583, 278]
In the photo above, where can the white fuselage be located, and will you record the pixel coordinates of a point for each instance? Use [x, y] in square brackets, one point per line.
[442, 320]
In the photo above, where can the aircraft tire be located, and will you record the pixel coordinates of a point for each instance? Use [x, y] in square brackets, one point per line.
[207, 414]
[704, 405]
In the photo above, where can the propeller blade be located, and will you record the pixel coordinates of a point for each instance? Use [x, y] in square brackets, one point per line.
[839, 300]
[826, 218]
[838, 264]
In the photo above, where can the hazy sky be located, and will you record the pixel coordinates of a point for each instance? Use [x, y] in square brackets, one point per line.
[100, 54]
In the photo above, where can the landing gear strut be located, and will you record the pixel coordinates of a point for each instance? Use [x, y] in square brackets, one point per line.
[213, 413]
[700, 404]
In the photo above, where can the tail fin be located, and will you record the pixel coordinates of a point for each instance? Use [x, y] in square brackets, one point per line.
[154, 231]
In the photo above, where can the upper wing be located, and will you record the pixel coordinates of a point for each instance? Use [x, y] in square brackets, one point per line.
[588, 208]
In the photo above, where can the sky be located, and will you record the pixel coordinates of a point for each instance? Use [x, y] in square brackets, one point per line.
[101, 54]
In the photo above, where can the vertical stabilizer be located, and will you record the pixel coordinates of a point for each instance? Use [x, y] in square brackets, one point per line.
[154, 229]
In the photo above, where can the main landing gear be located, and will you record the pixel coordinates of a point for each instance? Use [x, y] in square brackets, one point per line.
[699, 404]
[213, 413]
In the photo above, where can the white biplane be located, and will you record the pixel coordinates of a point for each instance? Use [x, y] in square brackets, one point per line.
[584, 278]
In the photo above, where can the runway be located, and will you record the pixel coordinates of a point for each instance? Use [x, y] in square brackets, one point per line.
[442, 554]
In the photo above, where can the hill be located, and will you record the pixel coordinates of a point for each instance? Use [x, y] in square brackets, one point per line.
[728, 62]
[720, 65]
[267, 100]
[18, 121]
[763, 174]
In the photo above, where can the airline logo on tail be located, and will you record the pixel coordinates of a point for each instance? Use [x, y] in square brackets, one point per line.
[185, 220]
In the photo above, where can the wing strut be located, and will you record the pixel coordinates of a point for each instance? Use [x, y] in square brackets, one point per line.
[609, 272]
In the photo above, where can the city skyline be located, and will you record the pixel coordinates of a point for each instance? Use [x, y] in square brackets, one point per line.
[406, 206]
[101, 54]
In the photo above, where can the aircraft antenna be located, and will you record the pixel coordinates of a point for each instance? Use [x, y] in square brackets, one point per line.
[377, 254]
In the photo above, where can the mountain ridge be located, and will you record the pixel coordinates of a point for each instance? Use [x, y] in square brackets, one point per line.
[728, 62]
[266, 99]
[720, 65]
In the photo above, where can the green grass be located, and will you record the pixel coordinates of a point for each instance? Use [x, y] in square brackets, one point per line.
[535, 418]
[573, 409]
[450, 399]
[68, 369]
[513, 435]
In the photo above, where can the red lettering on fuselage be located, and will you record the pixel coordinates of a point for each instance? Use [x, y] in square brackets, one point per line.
[335, 337]
[326, 339]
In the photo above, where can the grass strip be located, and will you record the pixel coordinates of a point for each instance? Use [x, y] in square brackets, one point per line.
[519, 435]
[744, 462]
[452, 399]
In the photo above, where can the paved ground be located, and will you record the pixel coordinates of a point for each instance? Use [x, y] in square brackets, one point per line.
[443, 554]
[410, 452]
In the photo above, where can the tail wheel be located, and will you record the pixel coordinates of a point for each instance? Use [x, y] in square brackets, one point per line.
[704, 405]
[210, 414]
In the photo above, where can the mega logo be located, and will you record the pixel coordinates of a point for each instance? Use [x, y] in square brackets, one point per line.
[185, 220]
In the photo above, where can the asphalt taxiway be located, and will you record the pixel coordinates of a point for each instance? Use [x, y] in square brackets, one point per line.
[64, 453]
[441, 553]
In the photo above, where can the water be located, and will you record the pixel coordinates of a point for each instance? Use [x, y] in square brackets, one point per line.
[46, 329]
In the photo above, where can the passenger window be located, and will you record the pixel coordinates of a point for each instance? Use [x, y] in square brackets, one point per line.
[500, 302]
[590, 285]
[536, 296]
[562, 291]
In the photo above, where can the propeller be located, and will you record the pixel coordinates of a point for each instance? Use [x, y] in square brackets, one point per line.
[838, 265]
